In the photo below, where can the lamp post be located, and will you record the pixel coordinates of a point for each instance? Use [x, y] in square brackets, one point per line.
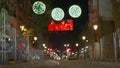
[77, 47]
[95, 27]
[96, 45]
[83, 38]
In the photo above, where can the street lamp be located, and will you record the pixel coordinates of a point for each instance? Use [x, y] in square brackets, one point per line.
[35, 38]
[95, 27]
[96, 47]
[44, 45]
[77, 50]
[83, 37]
[77, 44]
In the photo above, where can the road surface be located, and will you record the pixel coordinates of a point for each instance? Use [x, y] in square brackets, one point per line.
[62, 64]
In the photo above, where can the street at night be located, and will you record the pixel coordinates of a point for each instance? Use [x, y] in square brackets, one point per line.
[59, 33]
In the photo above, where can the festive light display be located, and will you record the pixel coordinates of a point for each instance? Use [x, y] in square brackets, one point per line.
[75, 11]
[65, 25]
[39, 7]
[57, 14]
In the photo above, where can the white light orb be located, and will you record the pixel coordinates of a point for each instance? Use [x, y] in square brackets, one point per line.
[39, 7]
[57, 14]
[75, 11]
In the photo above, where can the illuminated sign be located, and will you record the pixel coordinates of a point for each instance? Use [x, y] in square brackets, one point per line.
[61, 26]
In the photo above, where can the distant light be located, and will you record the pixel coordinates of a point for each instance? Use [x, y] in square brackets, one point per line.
[75, 11]
[35, 38]
[77, 45]
[45, 50]
[86, 40]
[68, 50]
[48, 49]
[85, 50]
[82, 49]
[57, 14]
[33, 42]
[67, 45]
[39, 7]
[86, 47]
[22, 28]
[64, 45]
[9, 39]
[83, 37]
[43, 45]
[95, 27]
[25, 29]
[73, 53]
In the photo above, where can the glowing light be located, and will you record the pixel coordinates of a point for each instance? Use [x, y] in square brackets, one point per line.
[57, 14]
[95, 27]
[75, 11]
[77, 44]
[61, 26]
[35, 38]
[39, 7]
[68, 49]
[43, 45]
[86, 47]
[83, 37]
[22, 28]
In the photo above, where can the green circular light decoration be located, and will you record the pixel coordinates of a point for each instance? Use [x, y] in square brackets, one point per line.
[75, 11]
[57, 14]
[39, 7]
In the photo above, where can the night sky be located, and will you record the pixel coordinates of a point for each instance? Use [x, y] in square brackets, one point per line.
[59, 38]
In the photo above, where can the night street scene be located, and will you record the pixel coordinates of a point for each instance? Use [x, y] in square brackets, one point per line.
[59, 33]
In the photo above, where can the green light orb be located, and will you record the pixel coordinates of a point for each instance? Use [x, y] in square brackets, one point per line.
[75, 11]
[57, 14]
[39, 7]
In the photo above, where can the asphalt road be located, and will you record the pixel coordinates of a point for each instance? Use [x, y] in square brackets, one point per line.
[62, 64]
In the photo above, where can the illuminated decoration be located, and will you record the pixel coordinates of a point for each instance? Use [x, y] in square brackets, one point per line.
[75, 11]
[39, 7]
[61, 26]
[57, 14]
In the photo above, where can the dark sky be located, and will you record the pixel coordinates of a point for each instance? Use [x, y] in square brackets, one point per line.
[71, 37]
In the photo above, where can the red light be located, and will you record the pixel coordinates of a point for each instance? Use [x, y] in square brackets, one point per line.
[61, 26]
[68, 49]
[50, 49]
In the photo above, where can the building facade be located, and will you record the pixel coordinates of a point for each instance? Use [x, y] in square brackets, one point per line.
[105, 15]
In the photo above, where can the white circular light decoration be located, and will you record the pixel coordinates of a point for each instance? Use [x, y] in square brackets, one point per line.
[75, 11]
[57, 14]
[39, 7]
